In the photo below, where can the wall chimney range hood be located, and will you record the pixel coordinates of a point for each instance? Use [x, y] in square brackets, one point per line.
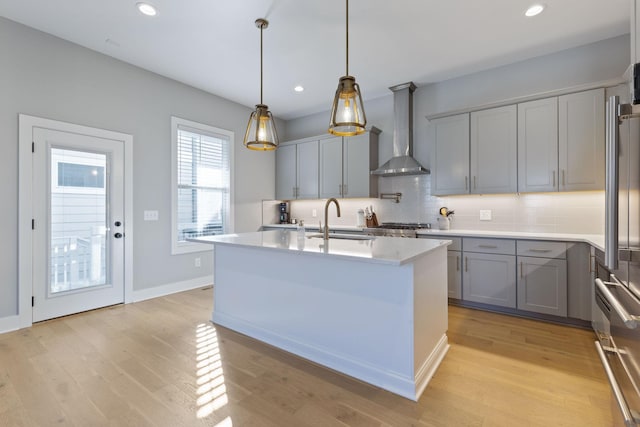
[402, 163]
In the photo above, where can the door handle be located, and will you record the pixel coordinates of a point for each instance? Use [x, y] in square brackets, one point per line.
[118, 235]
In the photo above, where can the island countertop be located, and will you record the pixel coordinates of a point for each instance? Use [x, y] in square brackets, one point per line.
[380, 250]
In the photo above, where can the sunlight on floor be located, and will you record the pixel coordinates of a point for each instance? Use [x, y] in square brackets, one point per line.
[212, 392]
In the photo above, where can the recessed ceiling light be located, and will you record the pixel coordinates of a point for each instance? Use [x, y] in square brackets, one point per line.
[534, 10]
[298, 88]
[147, 9]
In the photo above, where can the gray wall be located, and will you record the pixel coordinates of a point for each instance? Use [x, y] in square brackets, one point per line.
[607, 59]
[44, 76]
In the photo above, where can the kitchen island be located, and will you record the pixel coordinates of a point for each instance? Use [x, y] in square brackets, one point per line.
[373, 309]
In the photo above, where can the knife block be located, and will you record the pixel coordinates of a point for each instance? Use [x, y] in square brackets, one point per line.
[373, 221]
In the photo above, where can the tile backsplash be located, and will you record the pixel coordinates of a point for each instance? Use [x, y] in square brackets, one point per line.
[570, 212]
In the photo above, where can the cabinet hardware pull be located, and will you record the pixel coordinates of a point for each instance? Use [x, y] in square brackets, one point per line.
[563, 184]
[294, 192]
[340, 189]
[488, 246]
[345, 188]
[466, 182]
[457, 262]
[521, 276]
[541, 251]
[554, 179]
[591, 262]
[475, 186]
[466, 264]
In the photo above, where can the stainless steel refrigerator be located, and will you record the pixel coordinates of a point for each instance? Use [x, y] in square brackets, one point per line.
[617, 286]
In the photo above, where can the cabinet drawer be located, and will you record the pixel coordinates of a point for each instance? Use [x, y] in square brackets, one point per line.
[541, 249]
[456, 243]
[490, 246]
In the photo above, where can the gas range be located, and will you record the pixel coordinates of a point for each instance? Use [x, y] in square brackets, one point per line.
[397, 229]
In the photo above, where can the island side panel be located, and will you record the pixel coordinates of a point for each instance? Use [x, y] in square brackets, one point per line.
[352, 316]
[431, 315]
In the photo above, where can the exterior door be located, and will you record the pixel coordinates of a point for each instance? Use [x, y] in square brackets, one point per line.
[78, 225]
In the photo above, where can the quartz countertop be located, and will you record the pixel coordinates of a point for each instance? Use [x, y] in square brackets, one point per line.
[381, 250]
[595, 240]
[315, 227]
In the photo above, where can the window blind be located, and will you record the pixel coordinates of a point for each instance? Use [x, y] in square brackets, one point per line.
[203, 183]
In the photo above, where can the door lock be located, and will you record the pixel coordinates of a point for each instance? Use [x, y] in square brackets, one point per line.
[118, 235]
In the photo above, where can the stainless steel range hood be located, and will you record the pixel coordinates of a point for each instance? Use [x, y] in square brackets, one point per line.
[402, 162]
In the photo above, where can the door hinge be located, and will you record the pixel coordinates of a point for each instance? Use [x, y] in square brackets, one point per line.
[33, 147]
[33, 224]
[33, 301]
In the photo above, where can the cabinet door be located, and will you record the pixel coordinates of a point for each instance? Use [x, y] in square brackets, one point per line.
[286, 172]
[307, 155]
[538, 145]
[581, 140]
[454, 274]
[331, 167]
[580, 281]
[493, 151]
[357, 162]
[450, 155]
[489, 279]
[542, 285]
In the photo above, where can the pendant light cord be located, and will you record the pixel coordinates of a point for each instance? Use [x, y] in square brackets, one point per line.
[347, 14]
[261, 28]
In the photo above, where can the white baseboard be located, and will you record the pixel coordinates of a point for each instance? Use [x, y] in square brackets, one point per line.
[9, 323]
[429, 366]
[171, 288]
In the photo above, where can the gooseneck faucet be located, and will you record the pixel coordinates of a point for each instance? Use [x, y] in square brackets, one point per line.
[326, 215]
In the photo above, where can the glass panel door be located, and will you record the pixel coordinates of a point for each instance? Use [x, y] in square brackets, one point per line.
[78, 209]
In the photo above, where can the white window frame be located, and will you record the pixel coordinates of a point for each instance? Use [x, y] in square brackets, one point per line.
[178, 247]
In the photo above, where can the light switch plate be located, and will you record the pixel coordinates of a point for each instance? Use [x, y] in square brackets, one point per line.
[485, 215]
[151, 215]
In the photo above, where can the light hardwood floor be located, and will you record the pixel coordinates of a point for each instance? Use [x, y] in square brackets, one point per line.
[160, 362]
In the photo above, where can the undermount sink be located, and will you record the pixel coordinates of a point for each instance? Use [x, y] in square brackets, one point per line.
[342, 236]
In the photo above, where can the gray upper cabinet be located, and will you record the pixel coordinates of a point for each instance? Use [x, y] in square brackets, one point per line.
[297, 171]
[581, 140]
[494, 150]
[307, 159]
[346, 164]
[450, 155]
[331, 167]
[538, 146]
[360, 157]
[286, 182]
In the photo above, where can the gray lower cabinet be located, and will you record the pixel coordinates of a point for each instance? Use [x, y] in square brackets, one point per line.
[542, 277]
[454, 274]
[542, 285]
[489, 278]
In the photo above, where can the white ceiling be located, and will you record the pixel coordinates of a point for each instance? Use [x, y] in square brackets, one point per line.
[214, 45]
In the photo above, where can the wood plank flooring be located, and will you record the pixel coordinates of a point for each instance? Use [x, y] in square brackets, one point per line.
[162, 363]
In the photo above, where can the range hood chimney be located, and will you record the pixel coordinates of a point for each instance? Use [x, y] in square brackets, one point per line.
[402, 162]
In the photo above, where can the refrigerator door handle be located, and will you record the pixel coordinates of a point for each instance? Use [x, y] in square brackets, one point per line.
[617, 392]
[629, 320]
[611, 185]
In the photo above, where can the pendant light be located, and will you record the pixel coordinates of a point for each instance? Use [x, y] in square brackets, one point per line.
[347, 112]
[261, 132]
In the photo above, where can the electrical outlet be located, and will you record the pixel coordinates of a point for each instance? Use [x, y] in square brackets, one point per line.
[314, 213]
[197, 262]
[151, 215]
[485, 215]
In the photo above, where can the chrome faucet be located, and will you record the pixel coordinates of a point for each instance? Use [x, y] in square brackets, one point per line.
[326, 215]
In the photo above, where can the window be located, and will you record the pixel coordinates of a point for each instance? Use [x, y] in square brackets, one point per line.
[201, 183]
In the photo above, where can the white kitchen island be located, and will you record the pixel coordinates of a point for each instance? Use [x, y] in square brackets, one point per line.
[372, 309]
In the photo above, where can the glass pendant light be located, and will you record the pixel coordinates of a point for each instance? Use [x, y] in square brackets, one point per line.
[347, 112]
[261, 132]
